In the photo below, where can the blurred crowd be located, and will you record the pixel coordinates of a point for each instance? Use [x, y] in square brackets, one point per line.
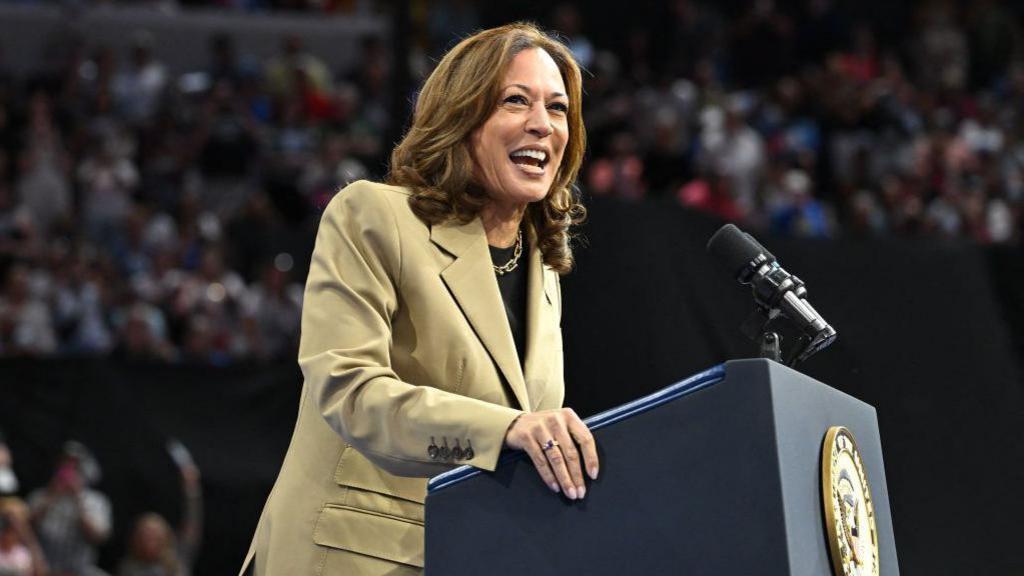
[159, 215]
[58, 529]
[147, 215]
[815, 122]
[318, 6]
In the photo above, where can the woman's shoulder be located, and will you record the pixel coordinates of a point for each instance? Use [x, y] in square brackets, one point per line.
[370, 199]
[366, 187]
[365, 191]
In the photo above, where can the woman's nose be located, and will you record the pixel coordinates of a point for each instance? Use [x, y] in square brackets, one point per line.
[538, 122]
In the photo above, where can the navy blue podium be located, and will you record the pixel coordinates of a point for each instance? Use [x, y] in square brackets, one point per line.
[719, 474]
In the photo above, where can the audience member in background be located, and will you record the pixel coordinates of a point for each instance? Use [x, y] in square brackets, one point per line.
[20, 554]
[280, 70]
[107, 180]
[141, 84]
[156, 550]
[794, 211]
[225, 145]
[142, 332]
[42, 186]
[214, 290]
[8, 480]
[621, 173]
[735, 150]
[152, 549]
[274, 304]
[26, 323]
[709, 192]
[331, 170]
[568, 21]
[224, 64]
[72, 519]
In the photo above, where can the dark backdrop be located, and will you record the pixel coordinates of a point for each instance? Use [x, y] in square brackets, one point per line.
[929, 333]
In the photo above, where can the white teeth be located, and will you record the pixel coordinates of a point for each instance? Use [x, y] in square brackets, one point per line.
[535, 154]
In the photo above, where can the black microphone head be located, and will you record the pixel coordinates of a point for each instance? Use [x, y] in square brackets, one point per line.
[767, 254]
[735, 248]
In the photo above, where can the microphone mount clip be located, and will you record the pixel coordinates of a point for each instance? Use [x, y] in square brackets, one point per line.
[771, 285]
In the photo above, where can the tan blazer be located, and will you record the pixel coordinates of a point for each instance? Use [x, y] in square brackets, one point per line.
[405, 345]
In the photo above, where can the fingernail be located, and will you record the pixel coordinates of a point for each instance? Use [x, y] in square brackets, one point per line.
[553, 486]
[593, 473]
[571, 493]
[583, 492]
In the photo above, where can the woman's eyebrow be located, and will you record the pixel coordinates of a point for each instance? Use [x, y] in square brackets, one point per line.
[529, 90]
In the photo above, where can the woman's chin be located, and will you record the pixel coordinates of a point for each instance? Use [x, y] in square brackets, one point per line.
[529, 195]
[521, 193]
[533, 189]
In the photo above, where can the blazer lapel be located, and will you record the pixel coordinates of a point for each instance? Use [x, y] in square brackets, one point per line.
[539, 308]
[470, 278]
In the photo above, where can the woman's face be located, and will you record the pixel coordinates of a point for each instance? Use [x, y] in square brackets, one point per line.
[517, 151]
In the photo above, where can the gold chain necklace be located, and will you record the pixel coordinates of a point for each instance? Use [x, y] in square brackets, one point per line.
[514, 261]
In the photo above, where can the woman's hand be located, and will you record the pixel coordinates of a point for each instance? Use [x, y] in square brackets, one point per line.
[550, 438]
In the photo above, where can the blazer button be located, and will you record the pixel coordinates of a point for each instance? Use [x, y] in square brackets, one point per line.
[457, 451]
[433, 451]
[468, 452]
[446, 452]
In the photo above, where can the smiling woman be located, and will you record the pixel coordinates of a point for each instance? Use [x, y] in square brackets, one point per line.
[431, 320]
[519, 89]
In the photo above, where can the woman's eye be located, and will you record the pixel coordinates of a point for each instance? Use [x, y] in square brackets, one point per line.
[516, 99]
[560, 107]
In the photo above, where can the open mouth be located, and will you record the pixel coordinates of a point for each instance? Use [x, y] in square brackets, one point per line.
[532, 161]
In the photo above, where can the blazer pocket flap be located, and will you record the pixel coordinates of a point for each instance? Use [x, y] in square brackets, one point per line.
[371, 534]
[356, 471]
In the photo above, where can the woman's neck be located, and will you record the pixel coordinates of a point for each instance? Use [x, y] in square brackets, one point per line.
[501, 223]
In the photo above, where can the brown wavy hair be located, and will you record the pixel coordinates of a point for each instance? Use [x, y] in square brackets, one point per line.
[433, 159]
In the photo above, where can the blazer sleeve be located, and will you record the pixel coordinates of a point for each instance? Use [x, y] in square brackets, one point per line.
[352, 292]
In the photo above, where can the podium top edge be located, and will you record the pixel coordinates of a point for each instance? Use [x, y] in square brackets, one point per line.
[774, 369]
[696, 382]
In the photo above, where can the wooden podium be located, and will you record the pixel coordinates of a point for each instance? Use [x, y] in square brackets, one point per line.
[719, 474]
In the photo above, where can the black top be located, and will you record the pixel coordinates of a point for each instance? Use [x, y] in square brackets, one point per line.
[513, 293]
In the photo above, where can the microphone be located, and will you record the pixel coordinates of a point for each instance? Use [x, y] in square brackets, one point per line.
[776, 292]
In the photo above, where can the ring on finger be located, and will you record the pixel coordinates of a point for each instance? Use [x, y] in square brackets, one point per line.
[551, 443]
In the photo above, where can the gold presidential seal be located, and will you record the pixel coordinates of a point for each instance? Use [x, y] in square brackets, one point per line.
[849, 512]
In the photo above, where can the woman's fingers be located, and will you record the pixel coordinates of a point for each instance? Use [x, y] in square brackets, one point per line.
[540, 462]
[572, 456]
[550, 438]
[581, 434]
[556, 460]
